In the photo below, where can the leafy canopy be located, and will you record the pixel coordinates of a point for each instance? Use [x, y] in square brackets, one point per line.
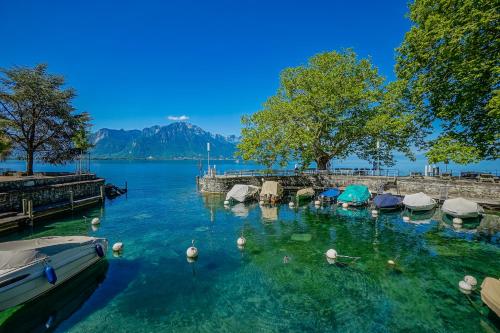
[450, 60]
[41, 119]
[333, 106]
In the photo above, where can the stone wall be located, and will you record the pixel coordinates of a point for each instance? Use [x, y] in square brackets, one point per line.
[46, 191]
[481, 192]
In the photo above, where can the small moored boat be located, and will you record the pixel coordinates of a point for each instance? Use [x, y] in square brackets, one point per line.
[419, 202]
[462, 208]
[330, 195]
[242, 193]
[355, 195]
[30, 268]
[271, 192]
[305, 194]
[387, 201]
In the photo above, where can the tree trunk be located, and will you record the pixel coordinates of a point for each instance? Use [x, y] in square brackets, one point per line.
[322, 162]
[29, 162]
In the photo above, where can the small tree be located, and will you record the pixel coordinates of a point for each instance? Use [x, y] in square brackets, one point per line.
[82, 144]
[42, 120]
[334, 106]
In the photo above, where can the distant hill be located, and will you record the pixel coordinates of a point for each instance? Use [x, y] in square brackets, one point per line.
[178, 140]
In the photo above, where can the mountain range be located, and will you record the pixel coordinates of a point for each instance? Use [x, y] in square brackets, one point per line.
[179, 140]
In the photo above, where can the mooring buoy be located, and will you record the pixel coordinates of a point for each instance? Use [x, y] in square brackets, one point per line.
[374, 212]
[241, 241]
[345, 205]
[457, 220]
[117, 247]
[95, 221]
[291, 204]
[192, 252]
[331, 254]
[226, 202]
[406, 218]
[464, 287]
[470, 280]
[391, 262]
[317, 203]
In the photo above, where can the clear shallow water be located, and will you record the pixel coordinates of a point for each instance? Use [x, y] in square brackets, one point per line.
[153, 288]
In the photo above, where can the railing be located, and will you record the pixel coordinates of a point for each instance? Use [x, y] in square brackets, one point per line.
[337, 171]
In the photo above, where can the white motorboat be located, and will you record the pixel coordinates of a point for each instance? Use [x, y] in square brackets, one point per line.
[419, 202]
[242, 193]
[30, 268]
[462, 208]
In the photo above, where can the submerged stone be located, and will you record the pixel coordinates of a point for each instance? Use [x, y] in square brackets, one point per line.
[301, 237]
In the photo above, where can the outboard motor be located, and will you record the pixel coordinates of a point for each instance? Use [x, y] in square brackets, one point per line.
[99, 250]
[50, 274]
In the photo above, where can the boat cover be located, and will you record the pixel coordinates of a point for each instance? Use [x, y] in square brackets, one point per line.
[20, 253]
[460, 207]
[305, 192]
[490, 294]
[331, 193]
[241, 192]
[271, 188]
[387, 200]
[356, 194]
[418, 200]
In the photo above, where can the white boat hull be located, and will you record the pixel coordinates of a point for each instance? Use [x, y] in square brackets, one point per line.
[34, 284]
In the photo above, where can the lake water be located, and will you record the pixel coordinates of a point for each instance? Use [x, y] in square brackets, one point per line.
[152, 287]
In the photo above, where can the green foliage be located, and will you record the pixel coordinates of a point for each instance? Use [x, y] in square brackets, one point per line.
[334, 106]
[41, 119]
[5, 144]
[446, 149]
[450, 60]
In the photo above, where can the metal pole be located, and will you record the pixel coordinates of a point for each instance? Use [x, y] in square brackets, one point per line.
[378, 157]
[208, 157]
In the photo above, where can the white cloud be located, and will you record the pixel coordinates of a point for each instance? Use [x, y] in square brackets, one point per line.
[178, 118]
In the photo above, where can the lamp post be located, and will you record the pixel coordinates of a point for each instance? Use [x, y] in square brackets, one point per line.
[378, 157]
[208, 157]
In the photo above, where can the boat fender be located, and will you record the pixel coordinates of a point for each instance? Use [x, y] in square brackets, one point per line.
[226, 202]
[99, 250]
[464, 287]
[457, 220]
[317, 203]
[291, 204]
[50, 274]
[406, 218]
[345, 205]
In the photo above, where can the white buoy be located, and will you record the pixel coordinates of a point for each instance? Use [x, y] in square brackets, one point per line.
[331, 254]
[465, 287]
[117, 247]
[345, 205]
[391, 262]
[226, 202]
[241, 241]
[406, 218]
[470, 280]
[330, 261]
[317, 203]
[95, 221]
[374, 212]
[291, 204]
[261, 202]
[457, 220]
[192, 252]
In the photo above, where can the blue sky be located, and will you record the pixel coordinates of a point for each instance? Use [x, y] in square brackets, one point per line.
[135, 63]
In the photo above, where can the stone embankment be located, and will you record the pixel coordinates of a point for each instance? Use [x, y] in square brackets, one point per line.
[485, 193]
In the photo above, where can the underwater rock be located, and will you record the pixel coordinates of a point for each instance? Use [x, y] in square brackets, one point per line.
[489, 226]
[301, 237]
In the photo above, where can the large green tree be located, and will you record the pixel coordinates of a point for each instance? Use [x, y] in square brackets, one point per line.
[42, 121]
[450, 60]
[334, 106]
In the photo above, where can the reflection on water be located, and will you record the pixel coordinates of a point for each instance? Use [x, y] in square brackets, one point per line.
[279, 281]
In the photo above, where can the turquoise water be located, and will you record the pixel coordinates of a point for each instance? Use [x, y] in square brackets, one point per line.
[152, 287]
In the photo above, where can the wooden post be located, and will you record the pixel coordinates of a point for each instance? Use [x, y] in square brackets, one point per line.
[71, 199]
[30, 209]
[25, 206]
[102, 192]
